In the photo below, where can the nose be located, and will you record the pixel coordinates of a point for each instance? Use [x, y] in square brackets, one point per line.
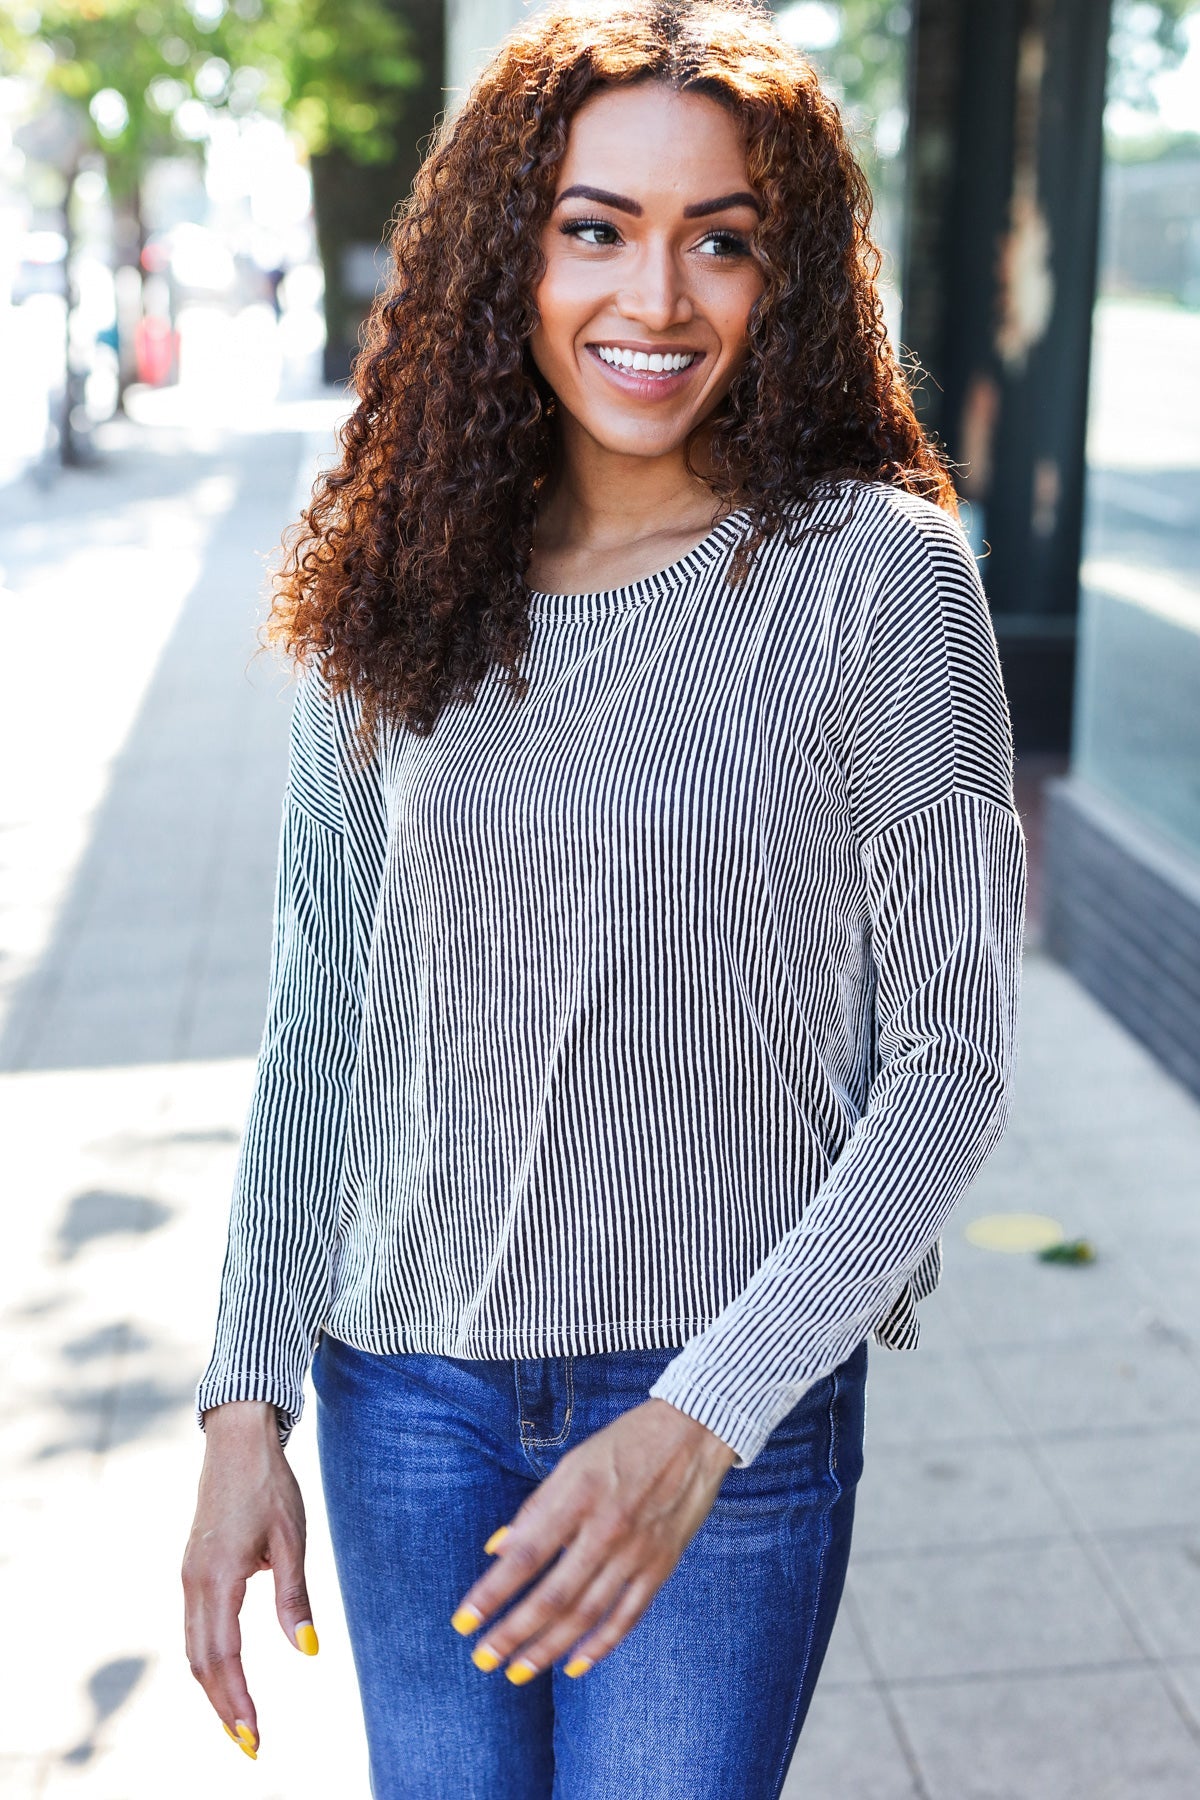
[656, 291]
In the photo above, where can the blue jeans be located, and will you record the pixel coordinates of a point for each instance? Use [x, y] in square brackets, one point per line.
[423, 1456]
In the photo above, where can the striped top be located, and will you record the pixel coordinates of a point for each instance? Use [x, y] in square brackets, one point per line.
[673, 1005]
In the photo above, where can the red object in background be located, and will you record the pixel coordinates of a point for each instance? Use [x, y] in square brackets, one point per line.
[156, 351]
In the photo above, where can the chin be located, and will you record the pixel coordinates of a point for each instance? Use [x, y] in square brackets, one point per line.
[624, 439]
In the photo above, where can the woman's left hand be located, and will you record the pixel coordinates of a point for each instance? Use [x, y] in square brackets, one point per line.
[622, 1507]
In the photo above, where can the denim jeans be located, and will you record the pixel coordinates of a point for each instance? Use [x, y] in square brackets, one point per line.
[423, 1456]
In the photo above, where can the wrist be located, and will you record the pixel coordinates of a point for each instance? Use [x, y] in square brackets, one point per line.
[710, 1445]
[243, 1420]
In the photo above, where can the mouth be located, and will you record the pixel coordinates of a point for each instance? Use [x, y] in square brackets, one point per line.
[650, 374]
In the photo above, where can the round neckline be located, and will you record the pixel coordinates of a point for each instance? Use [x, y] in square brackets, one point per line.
[634, 593]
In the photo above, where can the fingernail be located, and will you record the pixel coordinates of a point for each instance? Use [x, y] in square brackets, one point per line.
[466, 1619]
[496, 1539]
[245, 1739]
[306, 1638]
[520, 1672]
[485, 1658]
[578, 1665]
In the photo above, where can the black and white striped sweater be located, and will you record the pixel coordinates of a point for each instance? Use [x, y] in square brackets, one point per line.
[675, 1004]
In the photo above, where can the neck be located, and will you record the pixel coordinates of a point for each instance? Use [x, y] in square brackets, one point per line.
[597, 499]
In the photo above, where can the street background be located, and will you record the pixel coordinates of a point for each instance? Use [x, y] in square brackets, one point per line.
[1022, 1614]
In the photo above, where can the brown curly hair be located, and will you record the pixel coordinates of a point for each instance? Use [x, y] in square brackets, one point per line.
[405, 574]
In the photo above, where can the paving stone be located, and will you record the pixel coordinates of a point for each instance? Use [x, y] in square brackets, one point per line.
[848, 1749]
[1018, 1300]
[1126, 1480]
[226, 1017]
[1097, 1734]
[930, 1397]
[1143, 1378]
[1182, 1675]
[1159, 1579]
[924, 1496]
[990, 1609]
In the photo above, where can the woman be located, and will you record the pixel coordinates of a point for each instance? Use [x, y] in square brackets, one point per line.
[648, 928]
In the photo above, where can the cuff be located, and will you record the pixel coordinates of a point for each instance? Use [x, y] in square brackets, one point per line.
[215, 1390]
[744, 1434]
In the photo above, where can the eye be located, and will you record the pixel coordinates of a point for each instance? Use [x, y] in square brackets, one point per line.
[729, 243]
[576, 227]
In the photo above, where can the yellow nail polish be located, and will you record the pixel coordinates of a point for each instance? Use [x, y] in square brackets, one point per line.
[520, 1672]
[496, 1539]
[485, 1658]
[466, 1619]
[306, 1638]
[245, 1739]
[578, 1665]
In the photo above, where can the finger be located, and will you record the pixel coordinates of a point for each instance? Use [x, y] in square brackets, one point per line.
[214, 1651]
[554, 1598]
[292, 1605]
[534, 1538]
[535, 1654]
[620, 1622]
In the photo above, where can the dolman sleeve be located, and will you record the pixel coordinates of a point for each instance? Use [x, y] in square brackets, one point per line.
[927, 755]
[277, 1274]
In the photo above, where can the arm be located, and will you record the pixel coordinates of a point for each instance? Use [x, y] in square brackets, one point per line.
[928, 763]
[283, 1217]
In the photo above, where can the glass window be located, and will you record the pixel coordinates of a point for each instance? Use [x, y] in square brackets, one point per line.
[1137, 693]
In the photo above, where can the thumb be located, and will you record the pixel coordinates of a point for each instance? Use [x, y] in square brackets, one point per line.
[292, 1604]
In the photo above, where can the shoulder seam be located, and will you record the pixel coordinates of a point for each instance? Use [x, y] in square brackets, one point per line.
[954, 792]
[292, 800]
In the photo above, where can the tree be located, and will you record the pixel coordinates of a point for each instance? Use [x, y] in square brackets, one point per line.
[358, 81]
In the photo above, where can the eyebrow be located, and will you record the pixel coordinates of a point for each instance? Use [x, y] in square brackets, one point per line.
[621, 203]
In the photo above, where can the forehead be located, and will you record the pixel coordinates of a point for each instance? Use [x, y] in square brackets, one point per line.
[651, 142]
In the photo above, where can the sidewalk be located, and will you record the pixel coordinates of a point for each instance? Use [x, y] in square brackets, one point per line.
[1022, 1614]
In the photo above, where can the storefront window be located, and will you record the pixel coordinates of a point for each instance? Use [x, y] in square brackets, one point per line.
[859, 49]
[1137, 694]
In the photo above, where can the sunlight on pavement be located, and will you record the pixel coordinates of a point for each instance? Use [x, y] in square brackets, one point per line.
[1016, 1232]
[121, 1180]
[104, 609]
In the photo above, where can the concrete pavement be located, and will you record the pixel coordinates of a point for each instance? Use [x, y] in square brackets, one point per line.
[1022, 1615]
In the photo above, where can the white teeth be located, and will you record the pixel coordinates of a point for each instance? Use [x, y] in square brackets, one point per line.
[655, 363]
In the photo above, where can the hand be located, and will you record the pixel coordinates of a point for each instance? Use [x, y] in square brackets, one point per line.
[622, 1507]
[249, 1516]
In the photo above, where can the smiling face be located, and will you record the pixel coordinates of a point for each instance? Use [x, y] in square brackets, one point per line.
[645, 303]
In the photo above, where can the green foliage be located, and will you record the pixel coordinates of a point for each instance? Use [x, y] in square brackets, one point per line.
[1147, 40]
[1148, 37]
[866, 73]
[337, 71]
[1076, 1250]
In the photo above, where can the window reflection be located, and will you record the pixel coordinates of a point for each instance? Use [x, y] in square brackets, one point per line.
[1137, 697]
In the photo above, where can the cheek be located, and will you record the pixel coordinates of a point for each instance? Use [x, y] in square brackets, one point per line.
[732, 307]
[566, 298]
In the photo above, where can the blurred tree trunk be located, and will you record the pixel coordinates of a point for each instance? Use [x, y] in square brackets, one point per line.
[353, 202]
[129, 230]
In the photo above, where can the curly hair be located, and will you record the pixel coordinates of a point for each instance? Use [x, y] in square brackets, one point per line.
[404, 576]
